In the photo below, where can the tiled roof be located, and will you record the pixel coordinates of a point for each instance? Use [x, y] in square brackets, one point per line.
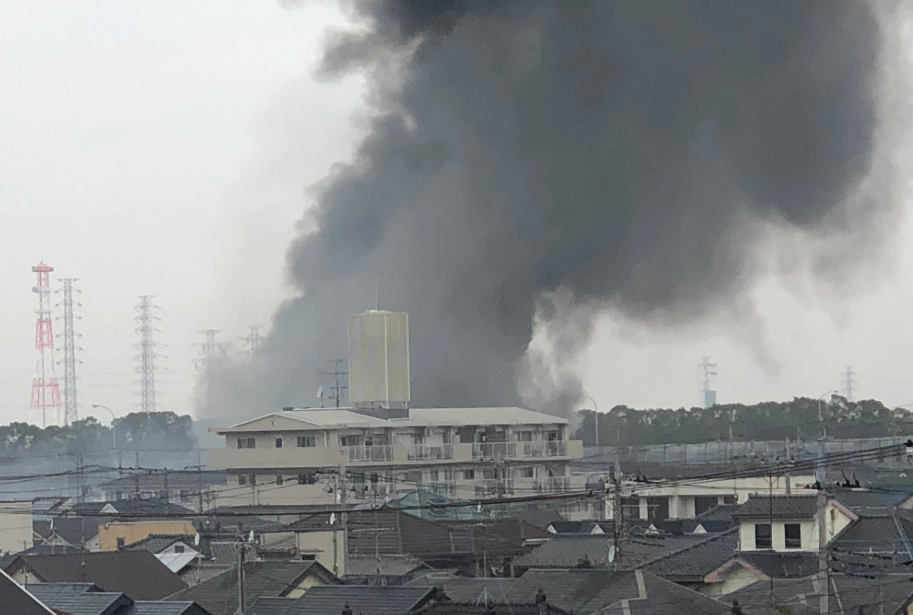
[269, 605]
[477, 608]
[156, 543]
[580, 591]
[779, 507]
[75, 530]
[132, 507]
[467, 589]
[219, 595]
[571, 551]
[663, 597]
[387, 565]
[163, 608]
[850, 594]
[87, 599]
[362, 599]
[781, 565]
[86, 603]
[579, 527]
[17, 600]
[697, 560]
[175, 479]
[136, 573]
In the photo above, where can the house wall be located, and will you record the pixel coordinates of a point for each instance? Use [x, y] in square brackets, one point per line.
[681, 497]
[322, 544]
[133, 531]
[15, 526]
[836, 522]
[729, 582]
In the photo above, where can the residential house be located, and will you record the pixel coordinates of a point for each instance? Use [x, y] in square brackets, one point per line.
[16, 600]
[180, 553]
[788, 523]
[116, 535]
[275, 579]
[135, 573]
[66, 534]
[355, 599]
[89, 599]
[671, 497]
[293, 456]
[598, 551]
[189, 488]
[15, 525]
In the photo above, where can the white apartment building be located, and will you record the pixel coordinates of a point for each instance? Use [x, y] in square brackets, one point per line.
[295, 456]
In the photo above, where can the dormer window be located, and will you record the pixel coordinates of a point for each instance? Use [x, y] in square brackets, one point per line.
[763, 537]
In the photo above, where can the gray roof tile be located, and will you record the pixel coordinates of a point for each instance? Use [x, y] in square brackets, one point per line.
[571, 551]
[779, 507]
[269, 605]
[696, 560]
[362, 599]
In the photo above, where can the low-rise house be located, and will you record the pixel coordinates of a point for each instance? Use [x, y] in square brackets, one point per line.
[135, 573]
[65, 534]
[273, 579]
[179, 552]
[189, 488]
[89, 599]
[18, 601]
[598, 551]
[789, 522]
[354, 599]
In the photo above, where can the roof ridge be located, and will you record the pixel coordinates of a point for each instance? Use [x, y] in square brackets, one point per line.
[712, 537]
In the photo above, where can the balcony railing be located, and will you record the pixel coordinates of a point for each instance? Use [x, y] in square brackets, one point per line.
[555, 484]
[382, 452]
[494, 450]
[421, 452]
[494, 487]
[554, 448]
[439, 487]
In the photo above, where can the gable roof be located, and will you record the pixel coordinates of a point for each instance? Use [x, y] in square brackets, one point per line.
[88, 599]
[467, 589]
[77, 531]
[269, 605]
[786, 507]
[16, 599]
[769, 564]
[851, 594]
[695, 561]
[362, 599]
[481, 608]
[156, 543]
[136, 573]
[130, 508]
[273, 578]
[569, 551]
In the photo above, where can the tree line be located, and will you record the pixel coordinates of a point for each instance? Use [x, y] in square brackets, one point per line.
[796, 419]
[163, 431]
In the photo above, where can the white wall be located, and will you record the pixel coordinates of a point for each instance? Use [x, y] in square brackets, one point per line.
[15, 526]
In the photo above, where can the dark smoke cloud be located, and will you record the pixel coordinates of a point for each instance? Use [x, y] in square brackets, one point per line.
[621, 153]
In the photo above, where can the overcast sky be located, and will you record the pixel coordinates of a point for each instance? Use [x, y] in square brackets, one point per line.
[166, 148]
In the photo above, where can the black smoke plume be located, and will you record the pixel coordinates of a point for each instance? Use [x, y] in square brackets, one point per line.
[623, 154]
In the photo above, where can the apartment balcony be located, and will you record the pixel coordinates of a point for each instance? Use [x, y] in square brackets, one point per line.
[554, 484]
[494, 487]
[557, 448]
[447, 488]
[494, 450]
[430, 453]
[380, 453]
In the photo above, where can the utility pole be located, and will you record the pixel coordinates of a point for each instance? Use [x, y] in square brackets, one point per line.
[823, 568]
[337, 375]
[343, 516]
[242, 549]
[849, 380]
[200, 480]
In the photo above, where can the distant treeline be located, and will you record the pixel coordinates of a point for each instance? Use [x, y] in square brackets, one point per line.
[160, 431]
[765, 421]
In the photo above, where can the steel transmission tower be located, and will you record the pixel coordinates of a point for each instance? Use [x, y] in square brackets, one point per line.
[849, 382]
[45, 390]
[210, 351]
[70, 350]
[253, 341]
[147, 356]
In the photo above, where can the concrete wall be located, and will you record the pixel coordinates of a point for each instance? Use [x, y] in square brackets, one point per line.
[327, 546]
[134, 531]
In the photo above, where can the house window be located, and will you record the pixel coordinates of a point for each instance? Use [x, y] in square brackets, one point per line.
[469, 474]
[308, 557]
[120, 543]
[252, 479]
[307, 441]
[185, 495]
[278, 442]
[307, 479]
[242, 479]
[178, 548]
[120, 496]
[163, 495]
[247, 442]
[279, 479]
[762, 536]
[793, 535]
[526, 472]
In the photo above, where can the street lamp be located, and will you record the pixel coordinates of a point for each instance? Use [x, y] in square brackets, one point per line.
[113, 427]
[596, 417]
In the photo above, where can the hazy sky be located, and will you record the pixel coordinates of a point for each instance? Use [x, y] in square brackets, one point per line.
[166, 148]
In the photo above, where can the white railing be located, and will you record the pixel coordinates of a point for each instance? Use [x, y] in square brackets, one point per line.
[555, 484]
[553, 448]
[439, 487]
[494, 487]
[432, 453]
[382, 452]
[493, 450]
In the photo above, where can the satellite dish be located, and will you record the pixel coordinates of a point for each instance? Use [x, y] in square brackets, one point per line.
[612, 554]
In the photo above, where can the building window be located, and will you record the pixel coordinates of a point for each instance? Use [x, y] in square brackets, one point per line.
[178, 548]
[308, 557]
[185, 495]
[307, 441]
[526, 472]
[252, 479]
[163, 495]
[278, 442]
[307, 479]
[120, 543]
[247, 442]
[242, 480]
[762, 536]
[469, 474]
[793, 535]
[120, 496]
[279, 479]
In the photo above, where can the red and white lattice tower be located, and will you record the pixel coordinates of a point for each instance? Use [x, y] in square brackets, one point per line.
[45, 390]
